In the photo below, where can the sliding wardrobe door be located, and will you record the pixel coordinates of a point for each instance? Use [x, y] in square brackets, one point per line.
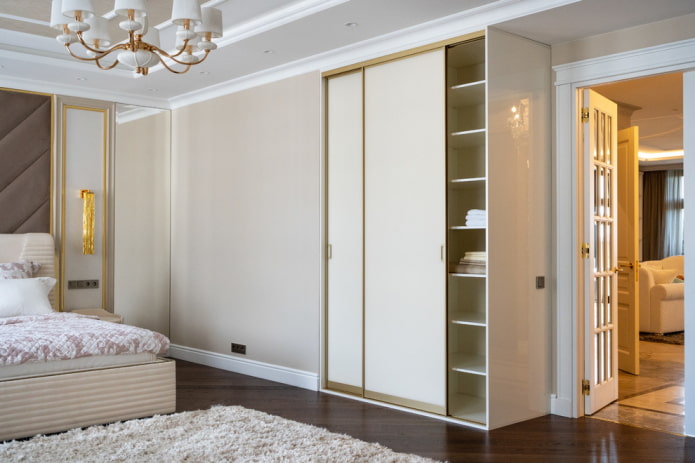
[405, 340]
[345, 234]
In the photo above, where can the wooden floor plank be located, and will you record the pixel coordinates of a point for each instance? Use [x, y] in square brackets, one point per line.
[549, 438]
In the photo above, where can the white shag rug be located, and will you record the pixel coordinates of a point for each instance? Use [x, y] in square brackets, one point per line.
[220, 434]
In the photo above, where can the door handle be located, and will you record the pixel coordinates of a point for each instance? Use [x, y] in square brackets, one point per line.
[626, 264]
[618, 269]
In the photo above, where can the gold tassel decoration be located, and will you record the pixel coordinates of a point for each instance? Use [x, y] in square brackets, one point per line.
[87, 221]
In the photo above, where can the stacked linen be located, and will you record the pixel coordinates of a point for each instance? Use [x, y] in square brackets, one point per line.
[471, 262]
[476, 218]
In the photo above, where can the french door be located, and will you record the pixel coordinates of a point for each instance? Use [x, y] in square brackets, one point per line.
[599, 127]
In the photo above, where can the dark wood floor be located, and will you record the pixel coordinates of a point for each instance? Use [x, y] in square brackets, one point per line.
[549, 438]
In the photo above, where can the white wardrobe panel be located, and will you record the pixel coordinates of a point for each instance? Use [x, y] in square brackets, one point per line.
[345, 232]
[518, 73]
[405, 340]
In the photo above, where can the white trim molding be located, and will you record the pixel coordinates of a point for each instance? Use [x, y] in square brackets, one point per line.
[569, 78]
[277, 373]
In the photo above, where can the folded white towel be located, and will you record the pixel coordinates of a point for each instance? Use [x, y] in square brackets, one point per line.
[476, 212]
[476, 223]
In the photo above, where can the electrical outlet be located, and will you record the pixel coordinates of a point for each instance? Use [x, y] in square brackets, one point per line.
[239, 348]
[540, 282]
[83, 284]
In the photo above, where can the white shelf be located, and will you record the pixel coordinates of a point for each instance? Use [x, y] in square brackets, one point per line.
[468, 407]
[469, 94]
[467, 138]
[466, 275]
[467, 183]
[469, 318]
[468, 363]
[463, 227]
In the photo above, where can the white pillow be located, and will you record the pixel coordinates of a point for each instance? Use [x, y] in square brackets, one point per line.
[27, 296]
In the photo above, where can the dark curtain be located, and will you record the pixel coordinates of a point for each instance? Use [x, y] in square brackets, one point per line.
[654, 215]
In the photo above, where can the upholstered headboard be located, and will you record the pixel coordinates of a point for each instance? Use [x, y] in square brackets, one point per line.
[34, 247]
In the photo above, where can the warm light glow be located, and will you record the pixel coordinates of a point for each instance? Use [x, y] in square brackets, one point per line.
[661, 155]
[87, 221]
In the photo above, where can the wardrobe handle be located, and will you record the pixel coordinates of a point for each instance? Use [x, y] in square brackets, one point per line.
[441, 252]
[330, 251]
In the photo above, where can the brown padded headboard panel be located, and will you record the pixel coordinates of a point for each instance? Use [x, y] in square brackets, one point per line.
[25, 162]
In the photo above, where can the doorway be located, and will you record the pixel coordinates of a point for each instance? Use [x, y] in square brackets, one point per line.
[650, 391]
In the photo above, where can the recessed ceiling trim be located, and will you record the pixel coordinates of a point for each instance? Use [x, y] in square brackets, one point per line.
[59, 60]
[24, 20]
[275, 19]
[419, 35]
[80, 91]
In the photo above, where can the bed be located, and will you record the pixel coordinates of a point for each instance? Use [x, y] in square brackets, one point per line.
[44, 391]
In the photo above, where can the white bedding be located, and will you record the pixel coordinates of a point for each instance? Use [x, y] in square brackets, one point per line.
[65, 336]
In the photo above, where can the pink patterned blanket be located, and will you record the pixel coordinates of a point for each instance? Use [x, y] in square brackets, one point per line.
[62, 336]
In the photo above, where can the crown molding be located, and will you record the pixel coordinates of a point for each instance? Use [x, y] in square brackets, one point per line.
[80, 92]
[434, 31]
[636, 63]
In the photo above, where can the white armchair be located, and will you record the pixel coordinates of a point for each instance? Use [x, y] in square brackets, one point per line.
[661, 300]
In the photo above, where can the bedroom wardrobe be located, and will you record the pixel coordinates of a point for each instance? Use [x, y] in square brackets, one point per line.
[437, 227]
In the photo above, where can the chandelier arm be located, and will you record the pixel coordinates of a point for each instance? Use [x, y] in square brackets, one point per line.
[207, 52]
[105, 68]
[188, 66]
[163, 53]
[120, 46]
[101, 54]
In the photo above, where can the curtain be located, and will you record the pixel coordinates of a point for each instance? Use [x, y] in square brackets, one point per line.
[662, 227]
[673, 201]
[653, 224]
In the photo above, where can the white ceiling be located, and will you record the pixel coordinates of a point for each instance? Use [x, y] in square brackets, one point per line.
[263, 37]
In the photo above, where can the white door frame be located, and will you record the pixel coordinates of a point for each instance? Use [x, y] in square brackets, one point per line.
[568, 309]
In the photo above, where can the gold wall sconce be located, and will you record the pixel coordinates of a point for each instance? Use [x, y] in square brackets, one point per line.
[87, 221]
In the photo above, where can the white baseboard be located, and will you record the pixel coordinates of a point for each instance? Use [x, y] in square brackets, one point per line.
[280, 374]
[561, 407]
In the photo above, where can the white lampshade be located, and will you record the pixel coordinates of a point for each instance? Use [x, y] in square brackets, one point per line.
[70, 7]
[122, 6]
[58, 19]
[211, 22]
[185, 9]
[99, 30]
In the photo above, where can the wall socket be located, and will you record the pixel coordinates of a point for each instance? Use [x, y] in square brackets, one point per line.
[239, 348]
[83, 284]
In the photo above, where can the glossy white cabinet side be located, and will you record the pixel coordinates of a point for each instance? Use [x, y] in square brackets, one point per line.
[405, 339]
[518, 76]
[345, 232]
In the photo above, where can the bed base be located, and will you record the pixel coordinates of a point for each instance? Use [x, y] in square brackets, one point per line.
[58, 402]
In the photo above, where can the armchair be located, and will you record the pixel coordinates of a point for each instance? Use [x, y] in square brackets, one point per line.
[661, 300]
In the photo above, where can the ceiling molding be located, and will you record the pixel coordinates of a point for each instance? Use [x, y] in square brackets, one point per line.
[669, 57]
[434, 31]
[81, 92]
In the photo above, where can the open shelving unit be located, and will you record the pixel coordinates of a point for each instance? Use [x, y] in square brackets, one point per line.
[467, 189]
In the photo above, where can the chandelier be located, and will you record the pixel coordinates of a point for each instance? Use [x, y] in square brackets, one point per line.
[140, 49]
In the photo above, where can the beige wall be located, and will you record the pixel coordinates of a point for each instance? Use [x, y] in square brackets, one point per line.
[634, 38]
[246, 223]
[141, 221]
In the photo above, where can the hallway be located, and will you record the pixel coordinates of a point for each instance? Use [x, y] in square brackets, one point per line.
[655, 398]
